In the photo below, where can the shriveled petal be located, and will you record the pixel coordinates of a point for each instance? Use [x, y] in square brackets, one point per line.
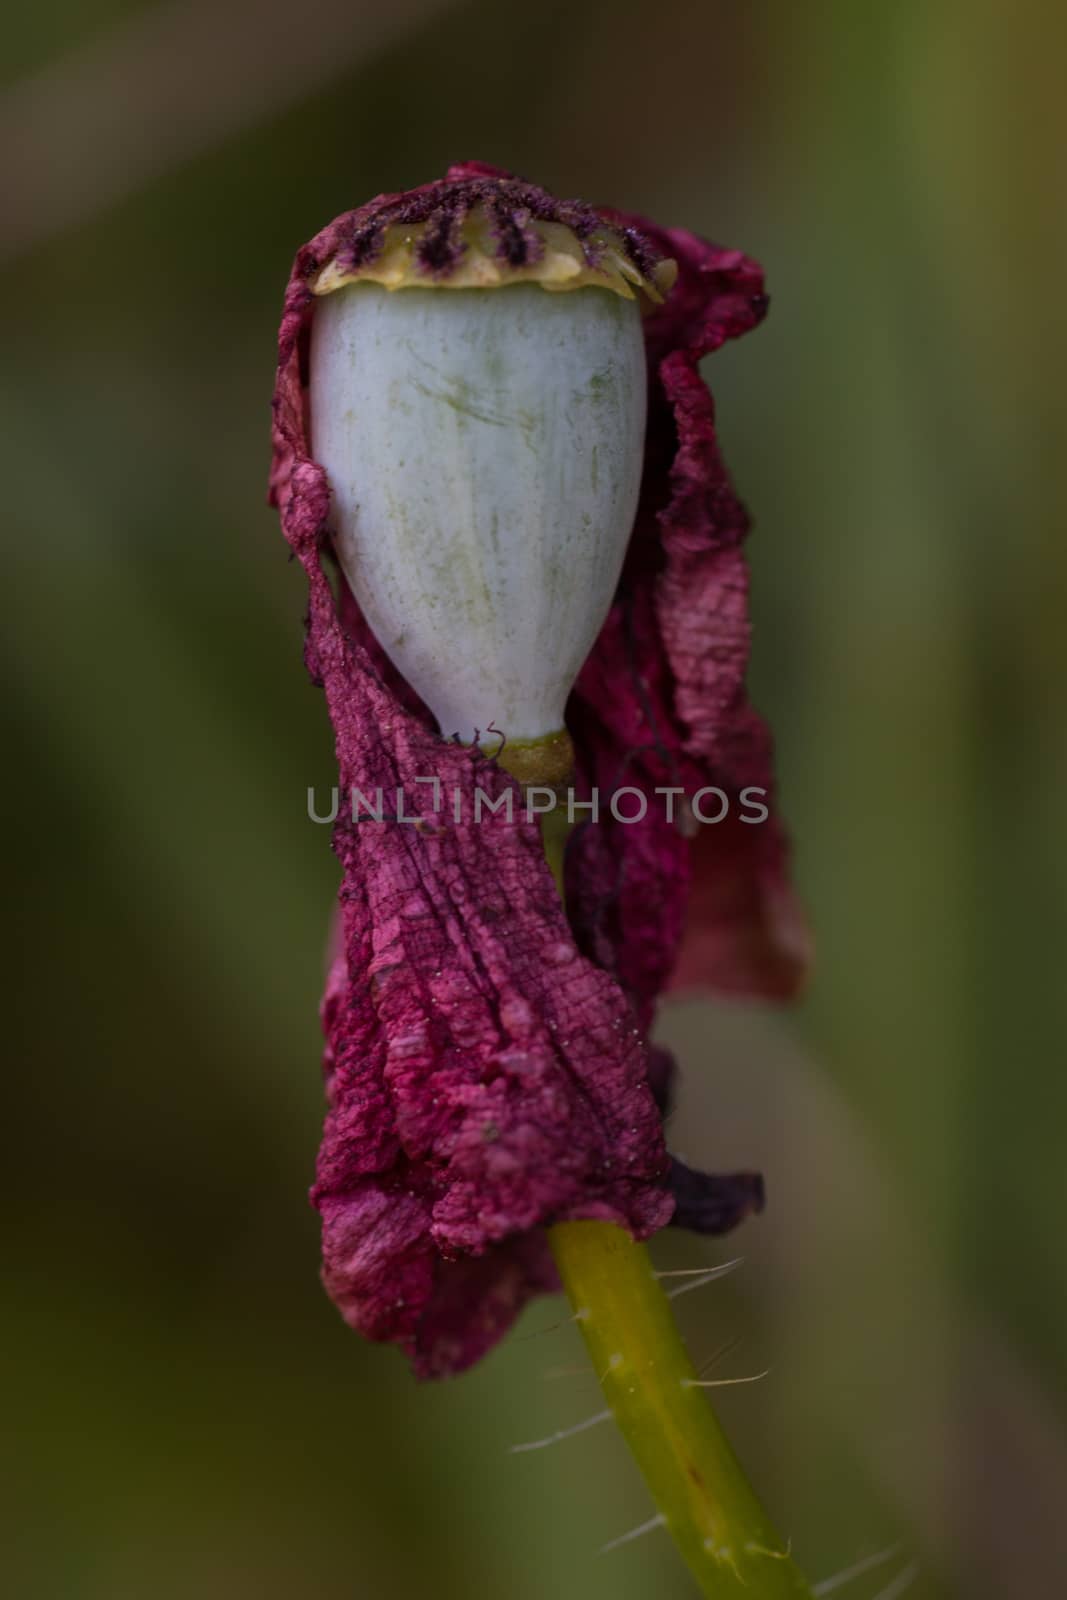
[713, 1203]
[389, 1281]
[661, 702]
[485, 1078]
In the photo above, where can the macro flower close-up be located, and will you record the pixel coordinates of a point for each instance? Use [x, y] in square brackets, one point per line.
[478, 344]
[534, 724]
[489, 417]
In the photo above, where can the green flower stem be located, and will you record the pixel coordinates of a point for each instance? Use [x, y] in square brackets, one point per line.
[696, 1481]
[648, 1380]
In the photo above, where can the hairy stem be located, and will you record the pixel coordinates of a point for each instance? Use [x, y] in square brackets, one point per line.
[648, 1380]
[696, 1481]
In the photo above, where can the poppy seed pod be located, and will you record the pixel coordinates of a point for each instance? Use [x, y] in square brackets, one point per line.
[484, 449]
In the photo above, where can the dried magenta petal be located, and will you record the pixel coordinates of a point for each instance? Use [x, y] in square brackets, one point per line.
[484, 1077]
[661, 701]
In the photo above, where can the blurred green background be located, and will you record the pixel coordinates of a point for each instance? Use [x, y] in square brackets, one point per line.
[186, 1413]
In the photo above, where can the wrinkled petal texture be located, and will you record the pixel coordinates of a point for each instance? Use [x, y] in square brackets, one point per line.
[661, 701]
[486, 1064]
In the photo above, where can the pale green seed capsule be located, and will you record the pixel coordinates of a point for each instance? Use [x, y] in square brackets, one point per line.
[484, 450]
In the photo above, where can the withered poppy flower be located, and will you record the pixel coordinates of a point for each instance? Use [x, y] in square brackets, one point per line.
[487, 1066]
